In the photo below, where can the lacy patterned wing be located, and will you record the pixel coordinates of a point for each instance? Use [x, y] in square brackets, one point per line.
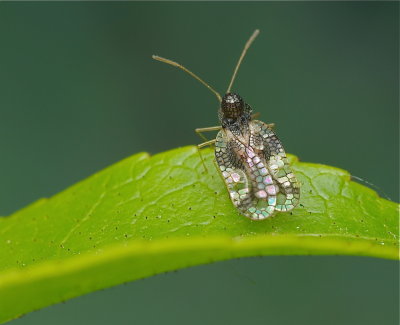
[248, 181]
[279, 167]
[233, 172]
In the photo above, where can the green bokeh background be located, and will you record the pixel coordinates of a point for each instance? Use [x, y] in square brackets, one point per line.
[79, 91]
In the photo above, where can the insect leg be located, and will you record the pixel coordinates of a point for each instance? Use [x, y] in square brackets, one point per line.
[199, 131]
[201, 145]
[205, 144]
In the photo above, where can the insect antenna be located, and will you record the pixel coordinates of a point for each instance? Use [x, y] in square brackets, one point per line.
[175, 64]
[246, 47]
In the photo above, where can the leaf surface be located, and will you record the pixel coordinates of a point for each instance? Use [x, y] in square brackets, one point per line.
[147, 215]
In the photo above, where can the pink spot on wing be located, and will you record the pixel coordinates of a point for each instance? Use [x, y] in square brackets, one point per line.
[235, 177]
[268, 180]
[250, 153]
[271, 189]
[261, 194]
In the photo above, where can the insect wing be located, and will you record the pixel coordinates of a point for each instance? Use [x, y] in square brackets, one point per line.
[278, 165]
[232, 172]
[251, 187]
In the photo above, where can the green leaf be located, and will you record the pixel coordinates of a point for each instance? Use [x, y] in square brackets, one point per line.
[146, 215]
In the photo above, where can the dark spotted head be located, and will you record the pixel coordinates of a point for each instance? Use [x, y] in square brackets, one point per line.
[234, 112]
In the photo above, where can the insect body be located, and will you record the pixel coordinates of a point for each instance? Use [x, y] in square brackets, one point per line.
[249, 155]
[253, 162]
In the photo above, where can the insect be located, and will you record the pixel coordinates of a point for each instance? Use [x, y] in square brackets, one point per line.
[249, 155]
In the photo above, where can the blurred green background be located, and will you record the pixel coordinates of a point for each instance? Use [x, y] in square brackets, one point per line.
[79, 91]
